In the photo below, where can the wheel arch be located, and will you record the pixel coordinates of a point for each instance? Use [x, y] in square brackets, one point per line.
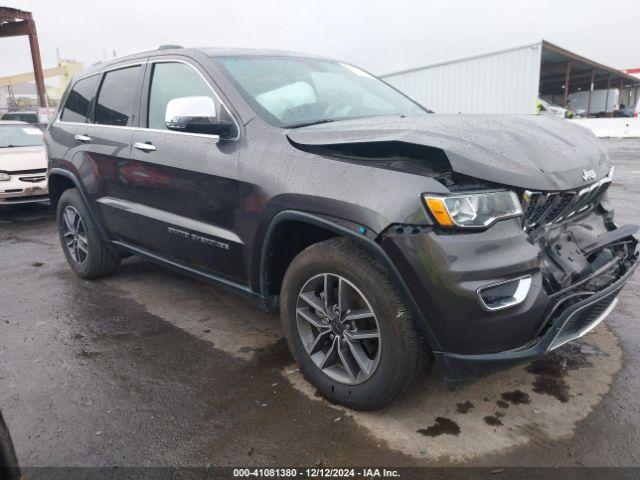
[270, 276]
[60, 180]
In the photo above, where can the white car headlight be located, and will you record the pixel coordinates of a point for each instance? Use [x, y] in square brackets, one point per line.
[474, 210]
[4, 177]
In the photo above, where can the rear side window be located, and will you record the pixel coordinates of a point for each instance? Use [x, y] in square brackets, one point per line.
[76, 109]
[117, 97]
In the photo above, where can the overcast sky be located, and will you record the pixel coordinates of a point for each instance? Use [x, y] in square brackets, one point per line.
[379, 35]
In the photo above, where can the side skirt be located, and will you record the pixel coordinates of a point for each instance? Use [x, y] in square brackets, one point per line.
[263, 302]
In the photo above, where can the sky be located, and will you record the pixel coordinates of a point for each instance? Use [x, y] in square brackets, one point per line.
[378, 35]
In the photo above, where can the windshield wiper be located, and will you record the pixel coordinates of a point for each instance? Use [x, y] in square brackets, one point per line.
[306, 124]
[7, 146]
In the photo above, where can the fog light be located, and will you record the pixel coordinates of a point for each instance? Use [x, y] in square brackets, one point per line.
[504, 294]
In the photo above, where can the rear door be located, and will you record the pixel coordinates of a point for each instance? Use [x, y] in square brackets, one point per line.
[108, 144]
[185, 186]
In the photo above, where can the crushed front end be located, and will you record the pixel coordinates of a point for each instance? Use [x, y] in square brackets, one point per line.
[499, 296]
[585, 260]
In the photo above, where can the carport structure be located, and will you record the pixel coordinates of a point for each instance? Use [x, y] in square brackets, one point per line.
[510, 80]
[563, 72]
[14, 23]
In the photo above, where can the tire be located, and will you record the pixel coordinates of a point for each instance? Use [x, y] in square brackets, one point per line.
[98, 260]
[394, 361]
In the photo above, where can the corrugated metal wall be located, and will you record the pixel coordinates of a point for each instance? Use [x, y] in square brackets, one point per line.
[506, 81]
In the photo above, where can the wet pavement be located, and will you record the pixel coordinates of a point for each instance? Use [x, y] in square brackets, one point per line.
[147, 367]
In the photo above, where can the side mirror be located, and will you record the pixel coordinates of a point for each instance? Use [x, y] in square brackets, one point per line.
[195, 115]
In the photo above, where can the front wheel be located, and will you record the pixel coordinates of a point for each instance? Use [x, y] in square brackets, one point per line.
[348, 327]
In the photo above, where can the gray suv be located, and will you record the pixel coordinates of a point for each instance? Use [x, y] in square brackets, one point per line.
[388, 237]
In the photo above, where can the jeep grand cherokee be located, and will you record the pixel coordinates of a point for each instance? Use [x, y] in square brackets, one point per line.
[389, 238]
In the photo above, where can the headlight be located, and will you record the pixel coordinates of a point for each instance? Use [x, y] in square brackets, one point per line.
[475, 210]
[4, 177]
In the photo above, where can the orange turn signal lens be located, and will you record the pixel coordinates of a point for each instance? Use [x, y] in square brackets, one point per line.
[439, 211]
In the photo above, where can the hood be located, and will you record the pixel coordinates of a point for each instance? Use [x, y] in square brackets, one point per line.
[528, 151]
[22, 158]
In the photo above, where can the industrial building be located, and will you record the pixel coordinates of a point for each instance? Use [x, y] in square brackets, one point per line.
[25, 95]
[512, 80]
[20, 91]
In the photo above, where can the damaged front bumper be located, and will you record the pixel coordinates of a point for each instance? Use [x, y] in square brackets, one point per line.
[569, 276]
[561, 327]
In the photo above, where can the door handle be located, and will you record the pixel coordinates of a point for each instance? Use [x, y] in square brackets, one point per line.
[82, 138]
[145, 147]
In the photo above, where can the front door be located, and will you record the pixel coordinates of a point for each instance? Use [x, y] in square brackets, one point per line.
[184, 185]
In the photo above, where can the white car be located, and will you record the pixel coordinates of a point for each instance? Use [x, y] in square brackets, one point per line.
[23, 164]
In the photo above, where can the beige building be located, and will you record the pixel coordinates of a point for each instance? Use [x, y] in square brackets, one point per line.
[19, 91]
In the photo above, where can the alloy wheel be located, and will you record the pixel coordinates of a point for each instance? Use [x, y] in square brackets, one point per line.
[75, 235]
[338, 328]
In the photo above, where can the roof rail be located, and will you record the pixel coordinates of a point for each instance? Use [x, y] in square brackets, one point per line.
[169, 47]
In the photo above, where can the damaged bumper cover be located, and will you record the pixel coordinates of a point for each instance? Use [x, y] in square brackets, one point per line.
[568, 279]
[570, 324]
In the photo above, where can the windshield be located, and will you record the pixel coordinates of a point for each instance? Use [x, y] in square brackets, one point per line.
[20, 136]
[294, 91]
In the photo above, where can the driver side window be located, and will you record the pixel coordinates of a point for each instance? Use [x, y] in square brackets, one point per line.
[170, 80]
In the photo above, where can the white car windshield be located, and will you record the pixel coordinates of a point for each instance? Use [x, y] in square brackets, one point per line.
[20, 136]
[296, 91]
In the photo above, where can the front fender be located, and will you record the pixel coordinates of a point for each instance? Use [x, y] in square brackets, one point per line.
[365, 239]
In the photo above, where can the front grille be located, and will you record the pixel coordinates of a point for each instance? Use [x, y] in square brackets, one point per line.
[545, 208]
[37, 179]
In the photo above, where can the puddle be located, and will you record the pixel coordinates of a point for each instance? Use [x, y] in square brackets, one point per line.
[464, 407]
[551, 371]
[493, 421]
[516, 397]
[555, 387]
[442, 426]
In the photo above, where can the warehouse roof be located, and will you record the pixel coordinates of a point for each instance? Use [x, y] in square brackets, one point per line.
[553, 72]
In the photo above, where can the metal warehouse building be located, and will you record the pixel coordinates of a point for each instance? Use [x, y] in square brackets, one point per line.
[510, 80]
